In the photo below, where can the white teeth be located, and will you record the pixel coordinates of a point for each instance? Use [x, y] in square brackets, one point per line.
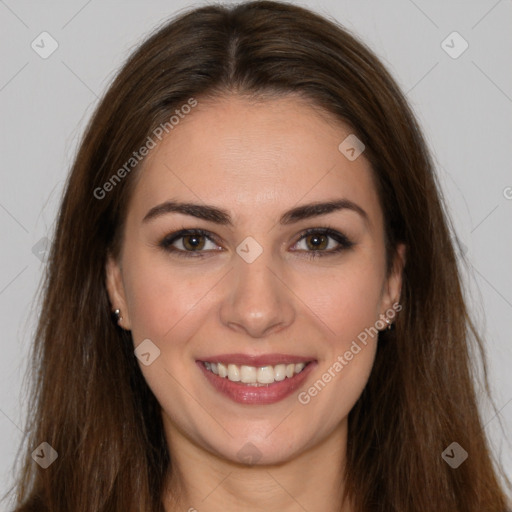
[233, 372]
[248, 374]
[223, 371]
[279, 372]
[265, 375]
[253, 375]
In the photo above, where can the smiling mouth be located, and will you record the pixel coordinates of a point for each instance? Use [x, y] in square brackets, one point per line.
[255, 375]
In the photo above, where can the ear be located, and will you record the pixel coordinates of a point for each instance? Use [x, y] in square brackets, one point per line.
[116, 291]
[393, 285]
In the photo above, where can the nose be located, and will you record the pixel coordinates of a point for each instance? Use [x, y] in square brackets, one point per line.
[258, 302]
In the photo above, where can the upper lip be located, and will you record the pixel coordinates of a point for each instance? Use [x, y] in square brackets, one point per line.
[256, 360]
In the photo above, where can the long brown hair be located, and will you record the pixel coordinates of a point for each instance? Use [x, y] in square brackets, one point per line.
[90, 401]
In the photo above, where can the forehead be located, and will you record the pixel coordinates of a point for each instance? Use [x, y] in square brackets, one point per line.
[255, 158]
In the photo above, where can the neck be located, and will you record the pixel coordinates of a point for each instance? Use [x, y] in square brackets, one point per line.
[206, 482]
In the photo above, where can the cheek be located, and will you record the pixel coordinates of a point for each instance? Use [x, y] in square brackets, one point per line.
[347, 305]
[165, 307]
[161, 300]
[347, 300]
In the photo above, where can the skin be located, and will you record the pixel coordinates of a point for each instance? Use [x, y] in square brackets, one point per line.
[256, 160]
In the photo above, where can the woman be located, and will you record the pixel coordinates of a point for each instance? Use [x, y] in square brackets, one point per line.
[254, 203]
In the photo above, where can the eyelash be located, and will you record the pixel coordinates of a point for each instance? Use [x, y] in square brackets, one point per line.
[341, 239]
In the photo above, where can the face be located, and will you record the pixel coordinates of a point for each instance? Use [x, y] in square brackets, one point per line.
[258, 282]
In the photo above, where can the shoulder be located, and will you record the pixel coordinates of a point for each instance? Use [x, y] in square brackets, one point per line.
[34, 504]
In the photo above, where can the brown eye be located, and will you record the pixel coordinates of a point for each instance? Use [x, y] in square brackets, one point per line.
[190, 243]
[317, 242]
[193, 242]
[321, 242]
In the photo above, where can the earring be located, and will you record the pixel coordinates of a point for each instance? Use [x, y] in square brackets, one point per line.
[390, 324]
[117, 314]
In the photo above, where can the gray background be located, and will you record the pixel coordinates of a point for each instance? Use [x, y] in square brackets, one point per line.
[464, 105]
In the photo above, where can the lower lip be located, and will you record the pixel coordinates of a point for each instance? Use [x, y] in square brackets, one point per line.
[257, 395]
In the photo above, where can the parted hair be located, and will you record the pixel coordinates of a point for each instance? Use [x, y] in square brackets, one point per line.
[89, 400]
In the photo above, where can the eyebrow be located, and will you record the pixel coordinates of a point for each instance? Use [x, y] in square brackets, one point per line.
[222, 217]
